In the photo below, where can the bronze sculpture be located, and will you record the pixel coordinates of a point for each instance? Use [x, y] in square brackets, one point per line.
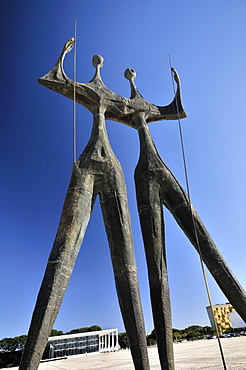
[157, 186]
[97, 171]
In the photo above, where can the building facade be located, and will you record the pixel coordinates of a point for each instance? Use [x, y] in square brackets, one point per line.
[221, 315]
[83, 343]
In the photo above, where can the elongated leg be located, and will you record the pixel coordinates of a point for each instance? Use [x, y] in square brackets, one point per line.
[117, 222]
[176, 200]
[75, 215]
[152, 170]
[152, 225]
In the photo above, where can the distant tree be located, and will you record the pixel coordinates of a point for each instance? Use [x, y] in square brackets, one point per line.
[95, 328]
[10, 359]
[193, 328]
[85, 329]
[207, 330]
[21, 341]
[123, 341]
[12, 344]
[151, 338]
[55, 332]
[152, 335]
[192, 334]
[180, 331]
[234, 330]
[79, 330]
[193, 331]
[11, 350]
[150, 342]
[8, 344]
[177, 335]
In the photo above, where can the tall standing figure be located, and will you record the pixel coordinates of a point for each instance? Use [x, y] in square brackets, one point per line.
[96, 172]
[156, 186]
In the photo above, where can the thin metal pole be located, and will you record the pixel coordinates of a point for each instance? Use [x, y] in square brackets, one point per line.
[195, 230]
[74, 93]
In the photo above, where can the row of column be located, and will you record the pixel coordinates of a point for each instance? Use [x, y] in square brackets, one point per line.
[109, 342]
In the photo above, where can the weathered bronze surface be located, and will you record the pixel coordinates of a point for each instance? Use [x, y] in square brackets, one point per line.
[95, 93]
[97, 171]
[152, 171]
[156, 185]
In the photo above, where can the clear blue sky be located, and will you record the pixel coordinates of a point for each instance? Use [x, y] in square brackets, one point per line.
[206, 40]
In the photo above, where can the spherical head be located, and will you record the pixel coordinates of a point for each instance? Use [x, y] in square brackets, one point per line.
[97, 61]
[130, 74]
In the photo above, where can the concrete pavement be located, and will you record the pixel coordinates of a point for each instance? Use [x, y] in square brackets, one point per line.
[201, 354]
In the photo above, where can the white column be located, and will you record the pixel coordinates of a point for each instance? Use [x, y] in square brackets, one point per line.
[117, 341]
[109, 342]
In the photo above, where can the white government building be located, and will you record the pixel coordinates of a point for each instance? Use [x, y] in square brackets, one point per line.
[83, 343]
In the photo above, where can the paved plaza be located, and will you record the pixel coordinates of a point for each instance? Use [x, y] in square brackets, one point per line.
[201, 354]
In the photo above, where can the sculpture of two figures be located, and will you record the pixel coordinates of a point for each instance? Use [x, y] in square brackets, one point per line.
[98, 172]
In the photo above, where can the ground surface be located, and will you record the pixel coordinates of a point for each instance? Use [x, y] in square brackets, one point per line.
[202, 354]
